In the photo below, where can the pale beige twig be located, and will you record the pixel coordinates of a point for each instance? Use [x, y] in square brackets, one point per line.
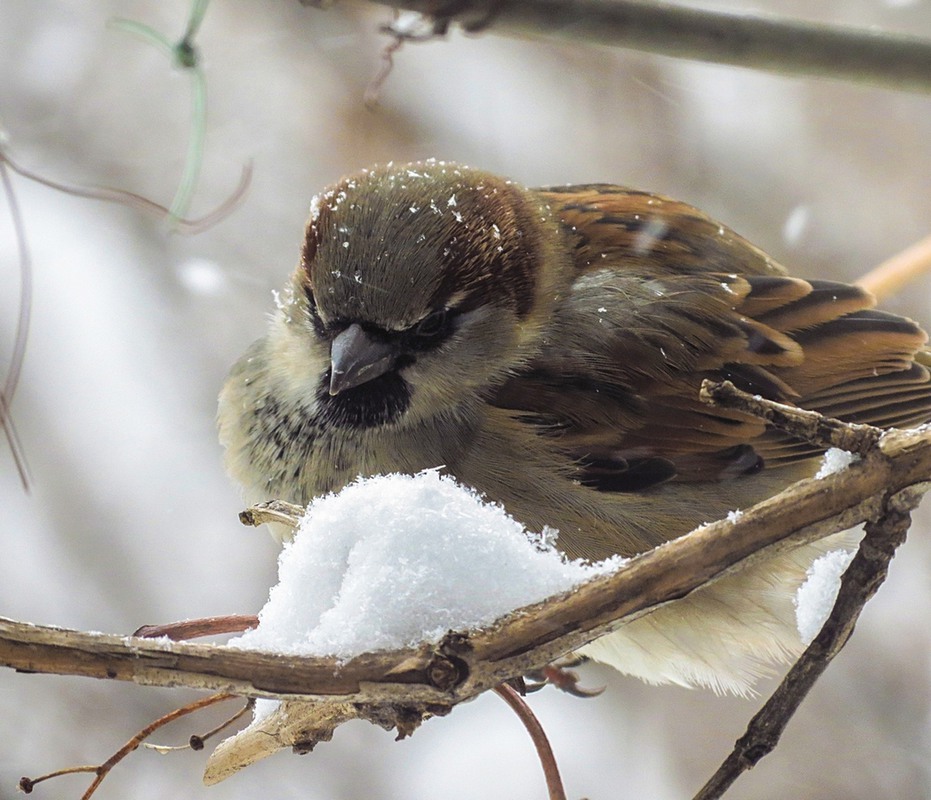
[897, 272]
[277, 511]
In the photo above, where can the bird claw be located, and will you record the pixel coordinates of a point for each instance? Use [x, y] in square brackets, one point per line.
[559, 675]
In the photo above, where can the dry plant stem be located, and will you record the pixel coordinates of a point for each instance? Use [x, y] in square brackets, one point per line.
[8, 389]
[138, 202]
[464, 665]
[808, 425]
[192, 629]
[373, 90]
[554, 787]
[26, 785]
[133, 744]
[863, 577]
[102, 770]
[788, 47]
[898, 271]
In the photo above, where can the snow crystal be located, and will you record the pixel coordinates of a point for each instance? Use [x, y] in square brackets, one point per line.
[315, 208]
[835, 460]
[815, 598]
[283, 300]
[395, 560]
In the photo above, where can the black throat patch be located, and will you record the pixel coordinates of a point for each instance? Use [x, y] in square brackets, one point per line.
[370, 405]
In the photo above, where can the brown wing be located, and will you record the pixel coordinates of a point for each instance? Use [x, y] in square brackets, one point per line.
[651, 233]
[666, 297]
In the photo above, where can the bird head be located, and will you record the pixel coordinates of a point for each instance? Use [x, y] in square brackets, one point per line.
[421, 285]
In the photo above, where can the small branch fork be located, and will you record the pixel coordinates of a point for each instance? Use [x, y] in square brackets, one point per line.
[100, 771]
[398, 689]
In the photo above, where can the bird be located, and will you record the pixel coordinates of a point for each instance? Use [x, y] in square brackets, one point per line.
[545, 347]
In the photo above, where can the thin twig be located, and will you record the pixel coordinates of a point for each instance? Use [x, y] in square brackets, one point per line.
[137, 202]
[519, 706]
[185, 56]
[26, 785]
[102, 770]
[414, 28]
[788, 47]
[373, 90]
[196, 740]
[807, 425]
[863, 577]
[133, 744]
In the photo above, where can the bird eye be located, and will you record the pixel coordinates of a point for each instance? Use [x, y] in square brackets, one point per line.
[315, 320]
[432, 325]
[430, 331]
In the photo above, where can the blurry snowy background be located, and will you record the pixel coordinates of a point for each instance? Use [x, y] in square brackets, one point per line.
[131, 519]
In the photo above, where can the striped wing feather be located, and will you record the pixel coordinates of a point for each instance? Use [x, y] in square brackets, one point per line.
[665, 297]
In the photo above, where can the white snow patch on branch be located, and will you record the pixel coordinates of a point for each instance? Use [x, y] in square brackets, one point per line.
[835, 460]
[396, 560]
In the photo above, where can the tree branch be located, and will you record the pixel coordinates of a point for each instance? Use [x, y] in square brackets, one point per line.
[400, 688]
[465, 664]
[788, 47]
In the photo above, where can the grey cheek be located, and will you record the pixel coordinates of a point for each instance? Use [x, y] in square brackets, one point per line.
[484, 338]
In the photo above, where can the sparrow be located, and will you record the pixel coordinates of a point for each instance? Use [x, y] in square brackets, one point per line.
[546, 347]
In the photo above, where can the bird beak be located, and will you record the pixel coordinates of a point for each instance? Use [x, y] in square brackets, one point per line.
[356, 357]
